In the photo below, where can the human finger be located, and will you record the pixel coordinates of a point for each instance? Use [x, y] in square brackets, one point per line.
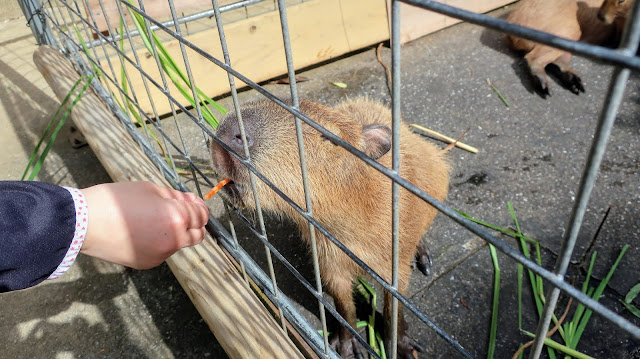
[196, 215]
[195, 236]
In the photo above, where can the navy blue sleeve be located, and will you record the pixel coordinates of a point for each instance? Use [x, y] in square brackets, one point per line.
[37, 222]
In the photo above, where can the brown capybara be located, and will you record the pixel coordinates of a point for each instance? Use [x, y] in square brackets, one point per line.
[571, 19]
[349, 198]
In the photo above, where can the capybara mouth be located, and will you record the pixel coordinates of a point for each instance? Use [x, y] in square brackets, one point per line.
[226, 166]
[234, 194]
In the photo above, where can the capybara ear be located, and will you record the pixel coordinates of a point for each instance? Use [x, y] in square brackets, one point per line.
[376, 140]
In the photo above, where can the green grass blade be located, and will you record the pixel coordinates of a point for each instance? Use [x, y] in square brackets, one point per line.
[496, 297]
[596, 296]
[535, 280]
[49, 126]
[633, 293]
[54, 134]
[577, 315]
[520, 280]
[96, 69]
[566, 350]
[632, 308]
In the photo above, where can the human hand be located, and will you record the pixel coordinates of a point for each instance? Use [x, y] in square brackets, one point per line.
[140, 224]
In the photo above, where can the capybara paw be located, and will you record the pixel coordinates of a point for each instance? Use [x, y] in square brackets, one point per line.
[408, 348]
[573, 82]
[348, 349]
[541, 84]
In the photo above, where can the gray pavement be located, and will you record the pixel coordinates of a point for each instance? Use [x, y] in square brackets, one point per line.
[531, 154]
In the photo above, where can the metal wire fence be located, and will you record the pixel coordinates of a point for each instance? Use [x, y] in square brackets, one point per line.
[72, 26]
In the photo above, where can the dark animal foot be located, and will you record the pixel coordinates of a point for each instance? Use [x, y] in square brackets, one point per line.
[76, 138]
[348, 349]
[541, 85]
[572, 82]
[407, 347]
[423, 259]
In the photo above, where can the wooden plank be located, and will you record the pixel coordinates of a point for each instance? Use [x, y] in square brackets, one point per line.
[158, 9]
[417, 22]
[318, 33]
[235, 315]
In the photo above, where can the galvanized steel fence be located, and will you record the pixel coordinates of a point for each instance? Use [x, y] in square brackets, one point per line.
[51, 24]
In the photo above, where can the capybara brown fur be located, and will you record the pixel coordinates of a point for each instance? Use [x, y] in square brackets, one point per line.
[349, 198]
[575, 20]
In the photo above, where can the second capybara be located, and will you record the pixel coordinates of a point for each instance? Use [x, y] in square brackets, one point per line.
[349, 198]
[575, 20]
[615, 12]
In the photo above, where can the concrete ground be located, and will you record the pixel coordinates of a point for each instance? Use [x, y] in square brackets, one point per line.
[531, 154]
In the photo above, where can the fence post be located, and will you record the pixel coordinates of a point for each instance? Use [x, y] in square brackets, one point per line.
[32, 10]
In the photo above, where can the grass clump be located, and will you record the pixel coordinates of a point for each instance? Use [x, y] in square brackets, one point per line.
[570, 331]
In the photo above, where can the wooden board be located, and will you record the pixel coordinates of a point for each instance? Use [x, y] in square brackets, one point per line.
[417, 22]
[235, 315]
[320, 30]
[158, 9]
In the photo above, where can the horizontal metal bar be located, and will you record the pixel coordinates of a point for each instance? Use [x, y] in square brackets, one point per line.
[599, 53]
[180, 20]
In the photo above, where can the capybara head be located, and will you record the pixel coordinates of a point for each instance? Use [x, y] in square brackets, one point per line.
[614, 9]
[273, 148]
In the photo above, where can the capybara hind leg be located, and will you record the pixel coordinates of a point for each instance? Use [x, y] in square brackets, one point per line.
[567, 76]
[537, 60]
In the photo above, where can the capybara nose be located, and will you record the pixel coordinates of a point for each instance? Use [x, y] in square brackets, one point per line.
[236, 141]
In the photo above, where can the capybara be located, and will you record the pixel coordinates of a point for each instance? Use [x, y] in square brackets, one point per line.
[571, 19]
[349, 198]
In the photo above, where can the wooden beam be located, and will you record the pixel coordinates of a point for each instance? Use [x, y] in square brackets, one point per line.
[235, 315]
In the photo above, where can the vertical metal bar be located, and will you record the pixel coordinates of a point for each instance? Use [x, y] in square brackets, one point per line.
[395, 163]
[629, 46]
[303, 166]
[166, 148]
[87, 33]
[32, 10]
[196, 99]
[236, 104]
[124, 69]
[104, 49]
[154, 50]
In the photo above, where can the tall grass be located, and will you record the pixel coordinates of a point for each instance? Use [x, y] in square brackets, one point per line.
[570, 331]
[53, 128]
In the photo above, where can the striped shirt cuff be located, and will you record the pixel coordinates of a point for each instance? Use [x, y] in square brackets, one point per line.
[82, 221]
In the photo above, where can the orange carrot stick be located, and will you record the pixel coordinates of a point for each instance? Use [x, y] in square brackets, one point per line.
[217, 187]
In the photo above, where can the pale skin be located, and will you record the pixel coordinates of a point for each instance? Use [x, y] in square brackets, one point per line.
[140, 224]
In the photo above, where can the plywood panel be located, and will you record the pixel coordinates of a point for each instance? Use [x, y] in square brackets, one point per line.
[318, 32]
[417, 22]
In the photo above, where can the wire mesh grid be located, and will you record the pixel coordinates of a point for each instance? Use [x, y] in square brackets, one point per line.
[113, 47]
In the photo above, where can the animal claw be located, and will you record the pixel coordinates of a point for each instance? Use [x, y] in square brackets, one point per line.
[408, 347]
[423, 260]
[348, 349]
